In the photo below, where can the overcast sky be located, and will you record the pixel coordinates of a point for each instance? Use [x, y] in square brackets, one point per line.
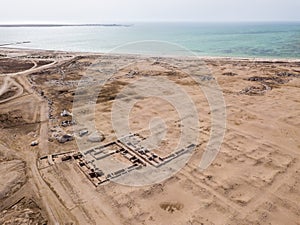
[106, 11]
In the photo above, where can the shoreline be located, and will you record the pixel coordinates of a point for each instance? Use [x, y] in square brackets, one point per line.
[230, 58]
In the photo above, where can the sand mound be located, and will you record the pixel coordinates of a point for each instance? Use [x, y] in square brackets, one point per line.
[96, 137]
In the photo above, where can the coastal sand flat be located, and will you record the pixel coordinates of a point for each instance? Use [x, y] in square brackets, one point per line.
[253, 180]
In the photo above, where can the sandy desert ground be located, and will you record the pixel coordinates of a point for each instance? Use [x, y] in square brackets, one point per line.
[255, 178]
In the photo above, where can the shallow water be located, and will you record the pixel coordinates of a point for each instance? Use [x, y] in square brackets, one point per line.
[270, 40]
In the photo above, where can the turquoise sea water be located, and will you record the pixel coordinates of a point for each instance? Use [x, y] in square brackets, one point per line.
[270, 40]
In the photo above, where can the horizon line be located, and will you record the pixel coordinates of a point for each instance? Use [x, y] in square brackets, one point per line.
[131, 23]
[65, 25]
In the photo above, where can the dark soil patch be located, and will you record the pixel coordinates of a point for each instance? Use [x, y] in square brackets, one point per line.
[230, 74]
[7, 95]
[270, 80]
[110, 91]
[171, 207]
[11, 119]
[42, 63]
[14, 65]
[267, 83]
[286, 74]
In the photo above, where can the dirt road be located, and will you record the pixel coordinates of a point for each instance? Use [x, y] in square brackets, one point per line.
[57, 213]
